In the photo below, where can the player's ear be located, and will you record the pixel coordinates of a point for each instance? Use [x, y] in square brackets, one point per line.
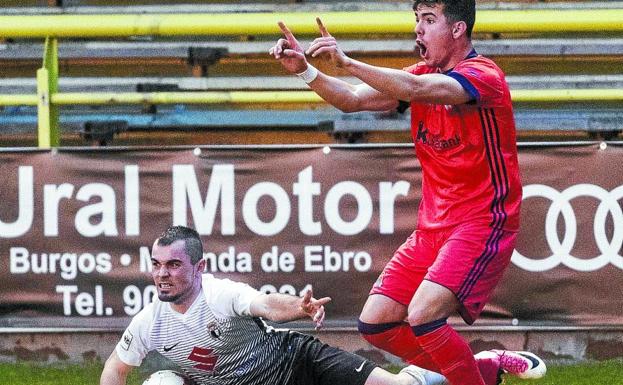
[458, 29]
[200, 266]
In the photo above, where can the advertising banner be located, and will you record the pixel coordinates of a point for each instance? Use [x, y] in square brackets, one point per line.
[76, 227]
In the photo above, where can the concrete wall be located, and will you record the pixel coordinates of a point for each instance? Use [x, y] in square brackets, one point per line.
[562, 346]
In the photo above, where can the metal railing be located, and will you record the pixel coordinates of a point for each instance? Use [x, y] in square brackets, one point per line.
[267, 97]
[53, 27]
[234, 24]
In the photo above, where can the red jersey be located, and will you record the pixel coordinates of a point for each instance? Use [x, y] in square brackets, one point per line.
[468, 152]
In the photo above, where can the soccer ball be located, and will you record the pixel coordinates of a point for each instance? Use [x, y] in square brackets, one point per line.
[165, 377]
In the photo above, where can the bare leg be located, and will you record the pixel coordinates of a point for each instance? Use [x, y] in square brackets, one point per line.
[381, 309]
[383, 324]
[430, 307]
[431, 302]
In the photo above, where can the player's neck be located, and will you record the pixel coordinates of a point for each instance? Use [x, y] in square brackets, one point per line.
[459, 52]
[186, 302]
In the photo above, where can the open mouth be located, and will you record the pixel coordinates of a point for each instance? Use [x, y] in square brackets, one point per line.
[422, 47]
[165, 285]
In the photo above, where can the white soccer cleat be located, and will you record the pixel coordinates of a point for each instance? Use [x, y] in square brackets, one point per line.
[523, 365]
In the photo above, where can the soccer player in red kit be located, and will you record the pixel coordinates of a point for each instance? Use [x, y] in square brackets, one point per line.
[464, 133]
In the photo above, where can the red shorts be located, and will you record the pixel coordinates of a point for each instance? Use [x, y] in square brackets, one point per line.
[468, 259]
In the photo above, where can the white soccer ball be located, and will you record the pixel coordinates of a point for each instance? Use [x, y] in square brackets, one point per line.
[165, 377]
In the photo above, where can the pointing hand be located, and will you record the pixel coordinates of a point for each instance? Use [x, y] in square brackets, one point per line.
[288, 51]
[314, 308]
[326, 47]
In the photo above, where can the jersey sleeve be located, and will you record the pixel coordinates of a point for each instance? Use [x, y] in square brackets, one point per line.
[228, 297]
[482, 81]
[134, 344]
[417, 69]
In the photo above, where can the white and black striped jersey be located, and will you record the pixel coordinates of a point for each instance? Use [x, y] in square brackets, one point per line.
[215, 342]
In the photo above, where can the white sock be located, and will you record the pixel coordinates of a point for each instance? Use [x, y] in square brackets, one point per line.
[434, 378]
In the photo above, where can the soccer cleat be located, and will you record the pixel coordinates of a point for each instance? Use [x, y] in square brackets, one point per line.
[523, 365]
[416, 373]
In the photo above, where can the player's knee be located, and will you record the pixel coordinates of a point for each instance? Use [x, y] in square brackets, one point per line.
[419, 315]
[431, 309]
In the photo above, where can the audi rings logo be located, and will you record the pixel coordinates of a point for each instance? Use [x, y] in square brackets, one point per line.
[561, 249]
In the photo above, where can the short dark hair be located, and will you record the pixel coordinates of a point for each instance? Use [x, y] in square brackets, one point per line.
[454, 10]
[192, 242]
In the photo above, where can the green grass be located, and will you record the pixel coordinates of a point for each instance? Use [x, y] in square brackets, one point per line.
[601, 373]
[59, 374]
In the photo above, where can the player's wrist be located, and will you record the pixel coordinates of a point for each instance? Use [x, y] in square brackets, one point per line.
[309, 75]
[346, 63]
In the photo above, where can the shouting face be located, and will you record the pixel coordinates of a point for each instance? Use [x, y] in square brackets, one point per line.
[177, 280]
[435, 36]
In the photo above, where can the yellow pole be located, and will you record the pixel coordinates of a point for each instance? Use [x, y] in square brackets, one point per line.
[228, 24]
[44, 137]
[567, 95]
[18, 100]
[233, 97]
[47, 85]
[250, 97]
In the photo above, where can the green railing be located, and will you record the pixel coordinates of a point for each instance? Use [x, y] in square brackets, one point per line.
[53, 27]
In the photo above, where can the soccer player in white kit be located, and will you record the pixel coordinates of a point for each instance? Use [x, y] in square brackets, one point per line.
[213, 330]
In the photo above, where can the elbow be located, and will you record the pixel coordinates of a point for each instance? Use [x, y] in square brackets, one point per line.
[349, 106]
[412, 95]
[347, 109]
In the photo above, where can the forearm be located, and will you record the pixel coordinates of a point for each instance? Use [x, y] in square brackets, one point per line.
[115, 371]
[279, 308]
[351, 98]
[340, 94]
[399, 84]
[429, 88]
[112, 377]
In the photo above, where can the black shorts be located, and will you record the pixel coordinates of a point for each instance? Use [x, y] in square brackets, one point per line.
[316, 363]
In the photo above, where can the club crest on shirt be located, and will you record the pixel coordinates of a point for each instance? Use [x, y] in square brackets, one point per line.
[214, 329]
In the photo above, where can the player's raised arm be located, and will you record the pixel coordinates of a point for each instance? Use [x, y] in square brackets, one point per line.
[395, 83]
[340, 94]
[283, 308]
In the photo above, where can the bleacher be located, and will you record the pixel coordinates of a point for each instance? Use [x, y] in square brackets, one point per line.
[532, 61]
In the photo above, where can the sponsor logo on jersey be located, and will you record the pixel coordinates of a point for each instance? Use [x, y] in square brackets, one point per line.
[205, 358]
[169, 348]
[126, 340]
[434, 141]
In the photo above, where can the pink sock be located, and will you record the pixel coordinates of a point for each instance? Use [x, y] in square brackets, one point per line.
[450, 352]
[398, 339]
